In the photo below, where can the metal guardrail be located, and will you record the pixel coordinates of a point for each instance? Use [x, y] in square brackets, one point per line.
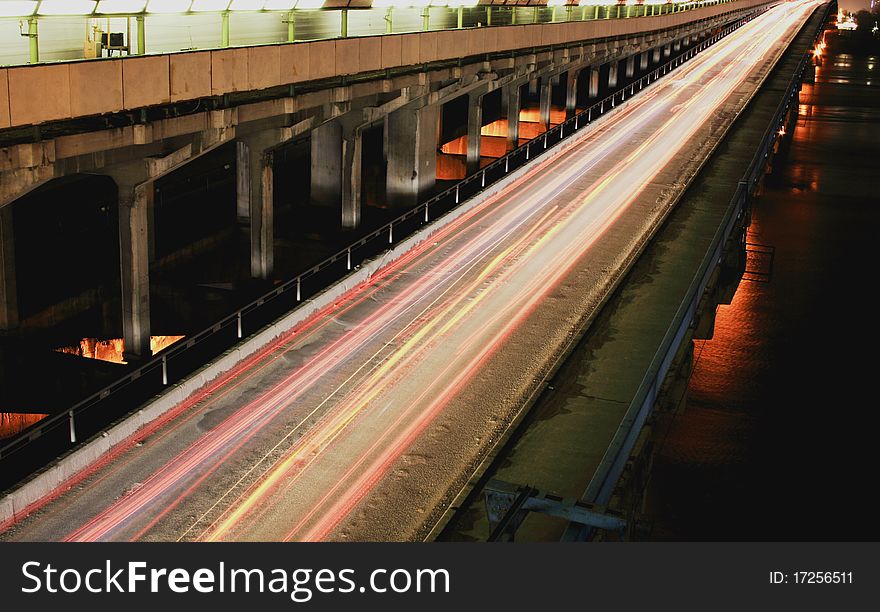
[57, 433]
[608, 473]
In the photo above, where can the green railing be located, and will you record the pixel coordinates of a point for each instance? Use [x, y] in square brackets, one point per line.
[303, 25]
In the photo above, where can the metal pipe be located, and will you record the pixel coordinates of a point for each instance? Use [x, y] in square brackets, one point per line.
[34, 45]
[389, 26]
[291, 26]
[141, 35]
[344, 25]
[224, 29]
[426, 18]
[460, 17]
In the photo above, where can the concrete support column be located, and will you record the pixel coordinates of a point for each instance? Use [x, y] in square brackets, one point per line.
[327, 164]
[544, 103]
[255, 174]
[594, 83]
[352, 154]
[514, 104]
[676, 46]
[571, 94]
[336, 169]
[657, 55]
[242, 182]
[667, 50]
[475, 125]
[134, 259]
[533, 87]
[612, 74]
[8, 292]
[412, 137]
[643, 61]
[630, 66]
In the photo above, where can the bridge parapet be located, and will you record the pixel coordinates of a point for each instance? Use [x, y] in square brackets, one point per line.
[33, 95]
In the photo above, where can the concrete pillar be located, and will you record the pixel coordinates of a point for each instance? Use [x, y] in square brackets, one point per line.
[643, 61]
[134, 259]
[514, 104]
[352, 154]
[336, 169]
[630, 66]
[8, 292]
[612, 74]
[327, 164]
[571, 94]
[475, 125]
[594, 82]
[533, 87]
[242, 182]
[657, 55]
[676, 46]
[544, 103]
[255, 184]
[412, 137]
[667, 50]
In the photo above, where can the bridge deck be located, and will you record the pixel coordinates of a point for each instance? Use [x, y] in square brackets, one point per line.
[369, 419]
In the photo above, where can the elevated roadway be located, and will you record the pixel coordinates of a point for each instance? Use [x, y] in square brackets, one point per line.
[367, 420]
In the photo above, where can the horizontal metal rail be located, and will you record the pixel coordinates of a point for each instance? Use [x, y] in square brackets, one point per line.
[170, 364]
[608, 473]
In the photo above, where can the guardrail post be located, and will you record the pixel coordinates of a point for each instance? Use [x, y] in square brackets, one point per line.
[483, 179]
[238, 322]
[348, 258]
[390, 233]
[298, 293]
[72, 427]
[456, 194]
[506, 163]
[545, 140]
[164, 370]
[528, 146]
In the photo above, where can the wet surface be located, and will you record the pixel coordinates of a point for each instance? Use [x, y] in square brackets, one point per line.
[567, 432]
[778, 440]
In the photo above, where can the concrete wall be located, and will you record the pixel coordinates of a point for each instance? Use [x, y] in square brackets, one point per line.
[42, 93]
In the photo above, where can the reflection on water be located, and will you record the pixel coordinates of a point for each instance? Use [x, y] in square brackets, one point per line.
[780, 419]
[112, 350]
[11, 422]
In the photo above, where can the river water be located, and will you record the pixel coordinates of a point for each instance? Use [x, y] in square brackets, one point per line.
[779, 438]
